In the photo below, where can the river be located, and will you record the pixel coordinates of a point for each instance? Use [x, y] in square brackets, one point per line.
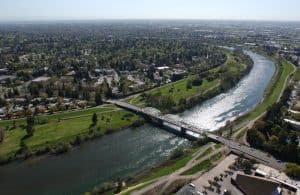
[214, 113]
[132, 150]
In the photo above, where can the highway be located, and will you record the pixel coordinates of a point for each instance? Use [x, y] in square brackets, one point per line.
[235, 147]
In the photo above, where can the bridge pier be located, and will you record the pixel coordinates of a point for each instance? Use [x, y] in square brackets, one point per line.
[152, 120]
[183, 131]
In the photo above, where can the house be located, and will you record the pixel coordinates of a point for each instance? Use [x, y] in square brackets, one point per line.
[41, 79]
[3, 71]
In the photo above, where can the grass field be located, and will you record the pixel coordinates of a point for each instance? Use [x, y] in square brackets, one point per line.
[199, 167]
[63, 127]
[297, 74]
[178, 90]
[169, 167]
[203, 165]
[206, 152]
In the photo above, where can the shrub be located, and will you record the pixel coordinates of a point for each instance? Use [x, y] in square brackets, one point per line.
[292, 170]
[178, 152]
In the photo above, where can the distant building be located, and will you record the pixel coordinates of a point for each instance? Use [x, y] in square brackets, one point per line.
[3, 71]
[41, 79]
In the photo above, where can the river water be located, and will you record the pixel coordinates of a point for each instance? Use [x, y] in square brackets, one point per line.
[214, 113]
[132, 150]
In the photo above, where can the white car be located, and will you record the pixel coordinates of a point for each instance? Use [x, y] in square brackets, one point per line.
[192, 185]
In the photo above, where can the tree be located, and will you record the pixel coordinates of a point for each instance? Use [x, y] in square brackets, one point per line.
[255, 138]
[29, 126]
[292, 170]
[189, 85]
[94, 119]
[2, 135]
[98, 99]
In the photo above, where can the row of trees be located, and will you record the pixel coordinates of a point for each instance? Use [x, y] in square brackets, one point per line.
[274, 135]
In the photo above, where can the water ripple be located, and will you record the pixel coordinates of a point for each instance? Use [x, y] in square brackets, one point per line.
[214, 113]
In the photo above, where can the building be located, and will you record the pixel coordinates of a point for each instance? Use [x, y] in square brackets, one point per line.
[253, 185]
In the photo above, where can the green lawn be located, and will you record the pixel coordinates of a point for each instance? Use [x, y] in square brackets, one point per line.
[296, 116]
[139, 187]
[297, 74]
[199, 167]
[63, 115]
[205, 153]
[66, 129]
[178, 90]
[203, 165]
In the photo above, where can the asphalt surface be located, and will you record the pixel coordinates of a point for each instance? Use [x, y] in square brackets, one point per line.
[188, 190]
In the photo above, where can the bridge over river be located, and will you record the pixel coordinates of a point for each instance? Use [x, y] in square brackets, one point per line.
[180, 127]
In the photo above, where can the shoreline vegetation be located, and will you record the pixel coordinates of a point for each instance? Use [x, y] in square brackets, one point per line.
[58, 133]
[195, 89]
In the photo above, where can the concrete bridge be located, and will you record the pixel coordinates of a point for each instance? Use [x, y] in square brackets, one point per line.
[193, 132]
[152, 114]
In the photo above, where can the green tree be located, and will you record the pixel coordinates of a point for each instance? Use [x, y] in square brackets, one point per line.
[2, 135]
[94, 119]
[255, 138]
[292, 170]
[29, 126]
[189, 85]
[98, 99]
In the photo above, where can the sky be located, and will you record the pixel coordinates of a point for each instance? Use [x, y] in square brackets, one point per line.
[40, 10]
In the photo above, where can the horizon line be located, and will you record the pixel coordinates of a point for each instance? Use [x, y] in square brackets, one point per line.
[145, 19]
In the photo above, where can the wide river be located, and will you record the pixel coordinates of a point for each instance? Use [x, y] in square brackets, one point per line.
[132, 150]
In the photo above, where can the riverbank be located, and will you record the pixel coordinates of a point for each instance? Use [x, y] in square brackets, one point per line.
[184, 94]
[179, 165]
[58, 133]
[272, 94]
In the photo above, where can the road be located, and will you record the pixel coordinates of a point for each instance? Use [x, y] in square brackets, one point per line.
[248, 152]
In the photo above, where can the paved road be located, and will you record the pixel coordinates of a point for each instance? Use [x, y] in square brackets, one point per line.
[248, 152]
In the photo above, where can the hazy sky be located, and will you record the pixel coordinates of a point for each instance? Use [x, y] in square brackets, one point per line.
[11, 10]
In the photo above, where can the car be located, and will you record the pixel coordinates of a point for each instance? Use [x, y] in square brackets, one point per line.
[192, 185]
[199, 193]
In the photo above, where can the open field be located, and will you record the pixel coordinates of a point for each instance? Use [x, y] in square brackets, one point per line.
[205, 164]
[297, 74]
[63, 128]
